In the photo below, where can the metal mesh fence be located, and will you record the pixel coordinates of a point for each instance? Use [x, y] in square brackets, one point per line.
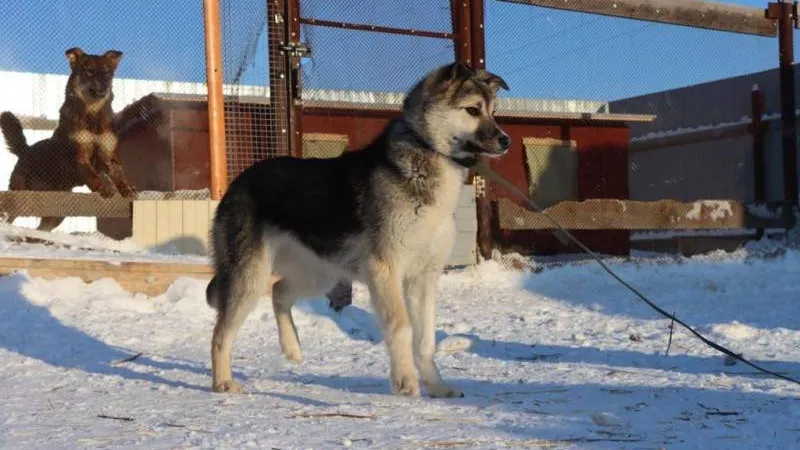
[247, 30]
[359, 53]
[122, 109]
[655, 119]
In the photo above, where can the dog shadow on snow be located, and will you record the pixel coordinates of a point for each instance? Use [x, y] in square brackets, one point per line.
[360, 324]
[31, 330]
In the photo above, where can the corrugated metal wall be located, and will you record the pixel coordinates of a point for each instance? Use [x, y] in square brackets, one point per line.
[721, 168]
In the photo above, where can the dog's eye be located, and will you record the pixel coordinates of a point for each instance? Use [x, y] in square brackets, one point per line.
[473, 111]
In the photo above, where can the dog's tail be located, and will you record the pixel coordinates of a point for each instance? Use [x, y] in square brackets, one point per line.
[12, 132]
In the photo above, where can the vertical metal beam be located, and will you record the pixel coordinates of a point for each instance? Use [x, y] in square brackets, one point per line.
[784, 13]
[758, 131]
[216, 106]
[278, 126]
[459, 10]
[294, 86]
[477, 49]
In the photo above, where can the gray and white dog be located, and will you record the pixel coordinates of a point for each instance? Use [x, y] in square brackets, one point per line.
[383, 215]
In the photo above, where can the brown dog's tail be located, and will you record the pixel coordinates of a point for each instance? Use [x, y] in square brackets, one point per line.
[12, 132]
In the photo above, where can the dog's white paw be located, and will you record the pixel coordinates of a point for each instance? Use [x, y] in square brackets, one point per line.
[443, 391]
[293, 355]
[228, 387]
[407, 386]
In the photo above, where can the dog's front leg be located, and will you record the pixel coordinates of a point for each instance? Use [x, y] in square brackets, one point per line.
[108, 156]
[421, 297]
[117, 175]
[86, 169]
[386, 293]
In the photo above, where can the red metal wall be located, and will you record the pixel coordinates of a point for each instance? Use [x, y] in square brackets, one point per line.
[602, 167]
[602, 173]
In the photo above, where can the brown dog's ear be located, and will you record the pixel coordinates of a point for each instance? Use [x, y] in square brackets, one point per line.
[73, 55]
[494, 81]
[114, 56]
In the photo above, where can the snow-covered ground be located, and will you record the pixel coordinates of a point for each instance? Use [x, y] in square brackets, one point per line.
[564, 358]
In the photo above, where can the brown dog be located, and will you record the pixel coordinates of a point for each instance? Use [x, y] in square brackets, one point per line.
[83, 142]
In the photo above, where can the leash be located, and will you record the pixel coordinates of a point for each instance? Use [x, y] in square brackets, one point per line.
[489, 174]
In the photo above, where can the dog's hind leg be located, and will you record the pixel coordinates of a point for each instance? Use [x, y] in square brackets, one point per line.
[386, 293]
[285, 293]
[235, 294]
[49, 223]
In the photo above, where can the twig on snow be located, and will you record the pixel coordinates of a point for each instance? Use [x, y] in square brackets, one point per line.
[177, 425]
[124, 419]
[711, 411]
[128, 359]
[671, 332]
[347, 415]
[538, 357]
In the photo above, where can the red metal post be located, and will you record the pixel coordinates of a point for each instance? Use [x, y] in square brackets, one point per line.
[278, 127]
[462, 43]
[785, 14]
[294, 87]
[483, 206]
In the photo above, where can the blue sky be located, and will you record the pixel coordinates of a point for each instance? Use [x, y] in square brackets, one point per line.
[542, 53]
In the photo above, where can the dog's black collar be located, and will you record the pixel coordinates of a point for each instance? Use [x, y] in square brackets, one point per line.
[466, 162]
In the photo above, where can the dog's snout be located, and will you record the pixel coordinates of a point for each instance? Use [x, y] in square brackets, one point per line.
[504, 141]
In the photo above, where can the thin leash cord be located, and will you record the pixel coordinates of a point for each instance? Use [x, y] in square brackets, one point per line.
[484, 171]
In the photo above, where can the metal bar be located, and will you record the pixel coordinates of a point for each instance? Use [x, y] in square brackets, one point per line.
[758, 128]
[485, 234]
[278, 127]
[459, 12]
[294, 86]
[375, 28]
[690, 13]
[783, 12]
[216, 107]
[694, 137]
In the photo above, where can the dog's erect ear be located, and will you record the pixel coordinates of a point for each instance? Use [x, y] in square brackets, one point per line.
[114, 56]
[493, 81]
[460, 71]
[73, 55]
[452, 73]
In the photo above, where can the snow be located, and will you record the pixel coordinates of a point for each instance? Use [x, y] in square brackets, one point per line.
[564, 358]
[720, 209]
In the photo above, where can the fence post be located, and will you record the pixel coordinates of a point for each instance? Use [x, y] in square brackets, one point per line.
[478, 56]
[758, 129]
[467, 16]
[216, 107]
[785, 14]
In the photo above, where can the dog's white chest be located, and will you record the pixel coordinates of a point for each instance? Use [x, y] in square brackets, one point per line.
[107, 141]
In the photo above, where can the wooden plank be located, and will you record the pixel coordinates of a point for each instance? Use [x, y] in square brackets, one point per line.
[149, 278]
[691, 13]
[66, 204]
[611, 214]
